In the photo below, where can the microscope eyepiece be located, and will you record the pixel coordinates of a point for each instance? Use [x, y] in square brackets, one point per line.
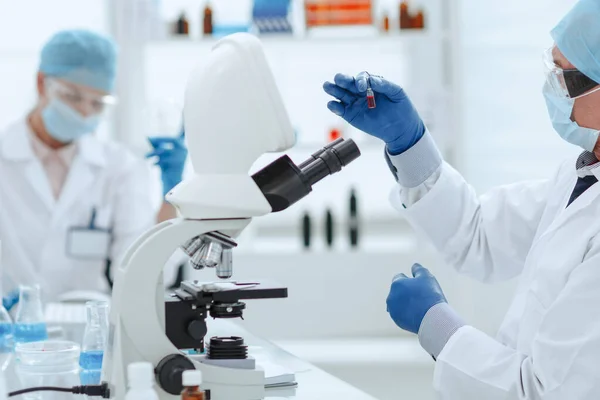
[283, 183]
[329, 160]
[346, 151]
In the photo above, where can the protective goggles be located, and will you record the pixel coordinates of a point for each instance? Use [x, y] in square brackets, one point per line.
[569, 83]
[79, 99]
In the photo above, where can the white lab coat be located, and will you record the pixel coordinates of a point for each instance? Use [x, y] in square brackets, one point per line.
[34, 226]
[548, 346]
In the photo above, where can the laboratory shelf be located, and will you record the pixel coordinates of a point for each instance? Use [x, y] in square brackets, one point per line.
[321, 37]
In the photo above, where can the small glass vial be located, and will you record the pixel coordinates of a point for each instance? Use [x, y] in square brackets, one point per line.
[207, 20]
[192, 379]
[29, 322]
[182, 25]
[405, 18]
[386, 23]
[370, 98]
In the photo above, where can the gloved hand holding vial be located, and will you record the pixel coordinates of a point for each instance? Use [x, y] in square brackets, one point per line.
[378, 107]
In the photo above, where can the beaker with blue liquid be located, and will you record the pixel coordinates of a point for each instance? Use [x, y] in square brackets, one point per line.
[29, 321]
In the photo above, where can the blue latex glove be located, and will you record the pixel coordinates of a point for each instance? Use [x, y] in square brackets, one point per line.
[411, 298]
[10, 300]
[394, 119]
[171, 154]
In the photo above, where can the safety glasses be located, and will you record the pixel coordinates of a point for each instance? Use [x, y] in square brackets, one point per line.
[79, 99]
[569, 83]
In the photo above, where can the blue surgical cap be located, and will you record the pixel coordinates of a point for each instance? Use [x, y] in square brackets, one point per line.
[577, 36]
[81, 57]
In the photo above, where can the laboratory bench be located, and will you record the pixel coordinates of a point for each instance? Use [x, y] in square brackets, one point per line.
[312, 382]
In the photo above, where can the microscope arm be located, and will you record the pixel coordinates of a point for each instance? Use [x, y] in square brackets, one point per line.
[137, 317]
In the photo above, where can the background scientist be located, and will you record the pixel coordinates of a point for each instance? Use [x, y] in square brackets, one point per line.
[546, 232]
[70, 203]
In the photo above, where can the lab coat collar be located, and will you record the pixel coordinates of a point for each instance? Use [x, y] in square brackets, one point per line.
[15, 142]
[581, 203]
[17, 147]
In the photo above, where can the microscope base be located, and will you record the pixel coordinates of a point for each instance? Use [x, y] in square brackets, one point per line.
[223, 383]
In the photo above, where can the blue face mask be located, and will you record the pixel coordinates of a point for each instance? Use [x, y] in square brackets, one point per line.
[65, 124]
[560, 110]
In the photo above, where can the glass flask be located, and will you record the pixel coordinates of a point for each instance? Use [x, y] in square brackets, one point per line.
[94, 342]
[29, 321]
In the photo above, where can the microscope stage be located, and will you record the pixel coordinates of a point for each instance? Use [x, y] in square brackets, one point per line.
[229, 292]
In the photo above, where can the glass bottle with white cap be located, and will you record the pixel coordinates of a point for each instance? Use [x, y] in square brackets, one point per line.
[191, 380]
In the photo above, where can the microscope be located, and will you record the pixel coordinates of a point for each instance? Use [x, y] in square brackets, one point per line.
[233, 114]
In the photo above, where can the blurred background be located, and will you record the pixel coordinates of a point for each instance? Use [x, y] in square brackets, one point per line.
[474, 70]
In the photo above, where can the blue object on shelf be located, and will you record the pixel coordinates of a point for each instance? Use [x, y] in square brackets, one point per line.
[271, 16]
[224, 30]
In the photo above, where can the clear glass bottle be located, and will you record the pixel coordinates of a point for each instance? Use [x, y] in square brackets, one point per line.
[94, 342]
[29, 321]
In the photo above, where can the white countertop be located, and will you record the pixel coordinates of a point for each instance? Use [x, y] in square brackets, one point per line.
[313, 383]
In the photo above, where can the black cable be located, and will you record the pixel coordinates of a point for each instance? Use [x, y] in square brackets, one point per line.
[40, 389]
[88, 390]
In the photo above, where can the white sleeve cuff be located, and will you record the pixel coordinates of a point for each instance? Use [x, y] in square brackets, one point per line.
[416, 164]
[437, 327]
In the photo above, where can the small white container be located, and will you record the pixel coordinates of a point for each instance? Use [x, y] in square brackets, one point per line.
[140, 380]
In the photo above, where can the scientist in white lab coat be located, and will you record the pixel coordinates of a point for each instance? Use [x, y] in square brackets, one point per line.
[69, 203]
[548, 232]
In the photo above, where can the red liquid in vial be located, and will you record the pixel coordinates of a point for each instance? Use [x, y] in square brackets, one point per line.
[371, 100]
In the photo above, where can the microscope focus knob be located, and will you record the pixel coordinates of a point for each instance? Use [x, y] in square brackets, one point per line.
[197, 329]
[169, 372]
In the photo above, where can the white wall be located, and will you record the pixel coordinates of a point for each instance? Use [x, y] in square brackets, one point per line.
[507, 132]
[507, 135]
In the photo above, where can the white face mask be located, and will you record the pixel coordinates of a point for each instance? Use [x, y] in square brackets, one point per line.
[560, 110]
[65, 124]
